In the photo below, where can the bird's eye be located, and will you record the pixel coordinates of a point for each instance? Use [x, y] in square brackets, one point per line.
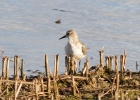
[68, 33]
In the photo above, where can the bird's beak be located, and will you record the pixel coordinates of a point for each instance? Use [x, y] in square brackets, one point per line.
[62, 37]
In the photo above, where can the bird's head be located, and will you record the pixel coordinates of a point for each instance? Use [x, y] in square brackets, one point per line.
[70, 34]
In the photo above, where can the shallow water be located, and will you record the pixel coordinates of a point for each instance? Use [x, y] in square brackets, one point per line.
[28, 29]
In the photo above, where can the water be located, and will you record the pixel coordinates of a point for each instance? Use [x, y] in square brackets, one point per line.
[28, 29]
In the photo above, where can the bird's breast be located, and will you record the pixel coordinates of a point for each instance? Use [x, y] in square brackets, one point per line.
[74, 50]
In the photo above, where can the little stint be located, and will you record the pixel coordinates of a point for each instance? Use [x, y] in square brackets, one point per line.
[74, 48]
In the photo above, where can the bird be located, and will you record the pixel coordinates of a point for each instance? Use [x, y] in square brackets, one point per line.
[74, 48]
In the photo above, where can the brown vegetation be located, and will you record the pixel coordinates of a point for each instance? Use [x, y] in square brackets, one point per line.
[94, 82]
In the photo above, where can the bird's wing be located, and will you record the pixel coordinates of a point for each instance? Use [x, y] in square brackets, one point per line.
[84, 49]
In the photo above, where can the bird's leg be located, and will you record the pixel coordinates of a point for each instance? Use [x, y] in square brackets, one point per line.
[75, 66]
[66, 65]
[79, 65]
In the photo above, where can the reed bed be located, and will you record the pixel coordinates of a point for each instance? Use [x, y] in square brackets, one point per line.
[99, 82]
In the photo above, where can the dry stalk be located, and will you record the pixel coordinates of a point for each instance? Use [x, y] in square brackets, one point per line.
[22, 68]
[110, 62]
[36, 88]
[3, 92]
[55, 88]
[107, 62]
[16, 79]
[3, 66]
[124, 60]
[0, 84]
[100, 95]
[121, 67]
[7, 68]
[73, 86]
[75, 77]
[42, 84]
[101, 53]
[117, 78]
[48, 85]
[46, 65]
[17, 92]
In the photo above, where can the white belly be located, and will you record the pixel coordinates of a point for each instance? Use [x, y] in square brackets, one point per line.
[74, 50]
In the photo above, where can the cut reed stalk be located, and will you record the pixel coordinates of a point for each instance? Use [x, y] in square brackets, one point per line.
[22, 68]
[73, 86]
[46, 66]
[7, 68]
[117, 78]
[3, 66]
